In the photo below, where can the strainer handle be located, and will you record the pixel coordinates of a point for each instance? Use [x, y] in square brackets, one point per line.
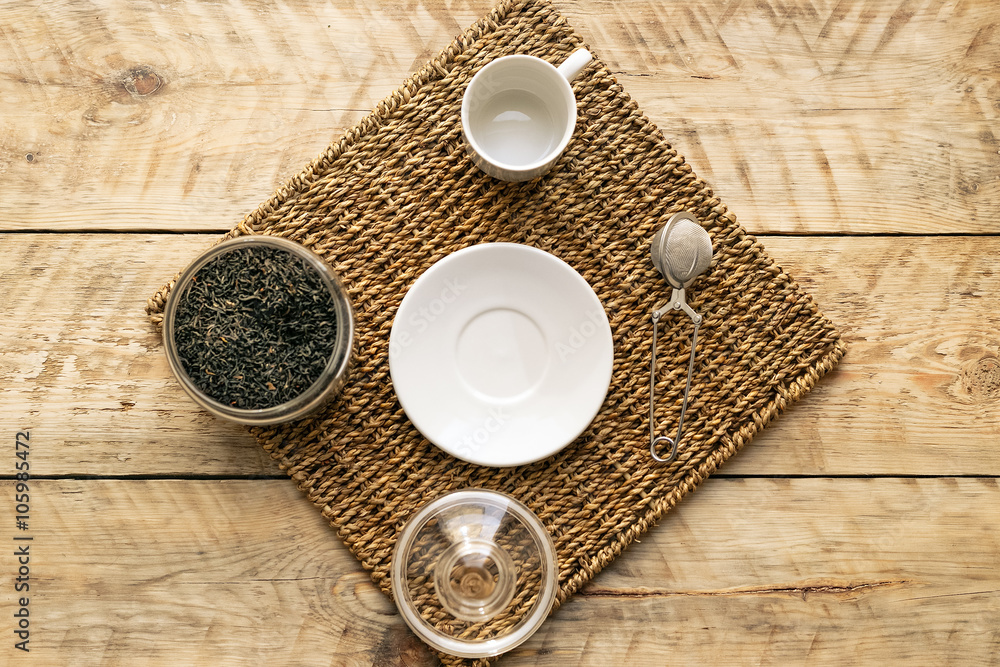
[674, 442]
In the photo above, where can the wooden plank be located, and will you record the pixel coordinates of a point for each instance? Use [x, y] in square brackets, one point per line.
[917, 393]
[81, 366]
[819, 117]
[806, 117]
[152, 116]
[195, 573]
[846, 571]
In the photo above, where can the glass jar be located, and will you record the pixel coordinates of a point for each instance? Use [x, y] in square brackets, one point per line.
[474, 573]
[333, 376]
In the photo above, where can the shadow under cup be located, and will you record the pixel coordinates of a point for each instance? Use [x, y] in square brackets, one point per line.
[518, 115]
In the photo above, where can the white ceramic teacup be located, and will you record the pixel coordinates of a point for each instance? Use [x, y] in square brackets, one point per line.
[518, 114]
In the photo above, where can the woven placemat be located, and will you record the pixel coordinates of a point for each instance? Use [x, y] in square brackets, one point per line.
[398, 193]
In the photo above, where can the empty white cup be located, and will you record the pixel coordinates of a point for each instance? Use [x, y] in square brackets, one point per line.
[518, 114]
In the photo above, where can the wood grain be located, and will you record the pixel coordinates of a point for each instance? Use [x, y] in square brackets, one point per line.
[806, 117]
[860, 528]
[918, 391]
[236, 572]
[81, 366]
[814, 117]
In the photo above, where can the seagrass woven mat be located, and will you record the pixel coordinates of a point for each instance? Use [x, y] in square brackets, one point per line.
[397, 193]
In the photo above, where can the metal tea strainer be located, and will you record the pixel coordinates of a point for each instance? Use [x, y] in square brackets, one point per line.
[681, 251]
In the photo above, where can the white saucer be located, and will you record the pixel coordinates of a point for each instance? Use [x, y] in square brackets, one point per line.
[501, 354]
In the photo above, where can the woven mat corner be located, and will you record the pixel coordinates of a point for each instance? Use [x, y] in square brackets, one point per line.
[397, 193]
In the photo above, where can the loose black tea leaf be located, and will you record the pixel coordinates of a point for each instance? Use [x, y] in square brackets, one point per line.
[255, 328]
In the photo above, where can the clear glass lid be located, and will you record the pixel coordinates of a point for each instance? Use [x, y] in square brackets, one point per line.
[474, 573]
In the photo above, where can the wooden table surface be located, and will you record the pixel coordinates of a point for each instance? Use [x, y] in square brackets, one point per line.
[859, 139]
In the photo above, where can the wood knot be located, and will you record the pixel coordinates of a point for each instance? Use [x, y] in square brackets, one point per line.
[967, 186]
[982, 378]
[140, 81]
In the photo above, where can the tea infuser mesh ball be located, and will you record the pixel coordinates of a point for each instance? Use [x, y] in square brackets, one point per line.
[681, 251]
[474, 573]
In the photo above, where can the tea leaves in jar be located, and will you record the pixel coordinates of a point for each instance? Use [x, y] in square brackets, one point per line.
[255, 328]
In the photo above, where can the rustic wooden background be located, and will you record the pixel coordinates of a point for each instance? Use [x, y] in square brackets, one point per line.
[859, 139]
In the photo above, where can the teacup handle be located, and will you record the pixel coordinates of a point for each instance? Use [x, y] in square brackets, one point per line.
[575, 63]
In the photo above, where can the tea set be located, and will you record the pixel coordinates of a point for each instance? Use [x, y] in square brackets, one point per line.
[501, 355]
